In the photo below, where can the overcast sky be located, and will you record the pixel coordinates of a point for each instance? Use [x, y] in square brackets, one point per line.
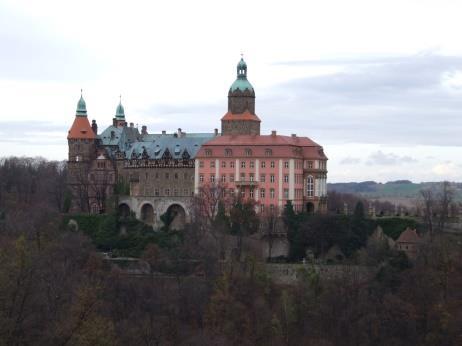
[377, 83]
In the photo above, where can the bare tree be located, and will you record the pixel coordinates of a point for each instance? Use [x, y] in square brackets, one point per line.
[428, 201]
[270, 228]
[445, 199]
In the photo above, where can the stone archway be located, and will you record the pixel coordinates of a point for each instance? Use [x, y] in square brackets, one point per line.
[310, 208]
[177, 215]
[124, 210]
[147, 213]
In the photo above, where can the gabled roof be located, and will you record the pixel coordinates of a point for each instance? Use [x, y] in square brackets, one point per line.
[409, 236]
[81, 129]
[108, 139]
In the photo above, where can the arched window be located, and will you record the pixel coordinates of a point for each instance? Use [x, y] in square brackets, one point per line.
[310, 186]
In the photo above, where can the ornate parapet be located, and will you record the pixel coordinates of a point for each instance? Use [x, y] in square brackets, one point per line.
[160, 163]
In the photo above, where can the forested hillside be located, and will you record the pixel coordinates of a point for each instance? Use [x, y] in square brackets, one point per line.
[390, 190]
[58, 288]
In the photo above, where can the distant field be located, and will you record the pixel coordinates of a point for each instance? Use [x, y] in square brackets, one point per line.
[398, 192]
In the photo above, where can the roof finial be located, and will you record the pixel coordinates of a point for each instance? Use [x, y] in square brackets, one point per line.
[120, 98]
[81, 91]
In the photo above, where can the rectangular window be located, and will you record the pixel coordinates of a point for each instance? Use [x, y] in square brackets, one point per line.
[223, 164]
[286, 178]
[243, 193]
[201, 178]
[212, 178]
[262, 208]
[252, 164]
[243, 164]
[156, 192]
[272, 178]
[223, 178]
[262, 178]
[251, 177]
[263, 164]
[212, 164]
[231, 178]
[167, 192]
[231, 164]
[262, 193]
[286, 164]
[272, 208]
[310, 164]
[272, 164]
[251, 193]
[272, 193]
[242, 176]
[286, 193]
[201, 164]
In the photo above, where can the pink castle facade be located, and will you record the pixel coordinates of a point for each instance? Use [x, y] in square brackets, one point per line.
[269, 169]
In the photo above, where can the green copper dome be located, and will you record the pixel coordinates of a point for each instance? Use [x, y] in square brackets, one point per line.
[241, 82]
[81, 107]
[120, 112]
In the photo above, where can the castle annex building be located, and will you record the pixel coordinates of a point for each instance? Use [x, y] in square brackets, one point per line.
[152, 173]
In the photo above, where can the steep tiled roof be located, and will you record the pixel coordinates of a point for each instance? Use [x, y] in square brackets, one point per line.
[108, 139]
[282, 146]
[409, 236]
[175, 145]
[262, 140]
[81, 129]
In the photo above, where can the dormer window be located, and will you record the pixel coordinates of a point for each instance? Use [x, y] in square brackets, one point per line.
[208, 152]
[268, 152]
[248, 152]
[228, 152]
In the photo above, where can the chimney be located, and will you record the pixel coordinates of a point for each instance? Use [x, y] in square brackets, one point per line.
[94, 126]
[294, 135]
[144, 130]
[216, 132]
[132, 125]
[273, 133]
[179, 132]
[164, 132]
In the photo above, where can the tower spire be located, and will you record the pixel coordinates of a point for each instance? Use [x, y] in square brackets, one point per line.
[81, 106]
[120, 111]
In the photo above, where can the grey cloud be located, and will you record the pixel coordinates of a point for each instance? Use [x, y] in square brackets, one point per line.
[390, 101]
[350, 161]
[388, 159]
[40, 133]
[29, 52]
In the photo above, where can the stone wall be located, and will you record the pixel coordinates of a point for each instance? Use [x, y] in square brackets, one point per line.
[289, 273]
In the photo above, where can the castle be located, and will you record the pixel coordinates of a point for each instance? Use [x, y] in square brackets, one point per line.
[153, 173]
